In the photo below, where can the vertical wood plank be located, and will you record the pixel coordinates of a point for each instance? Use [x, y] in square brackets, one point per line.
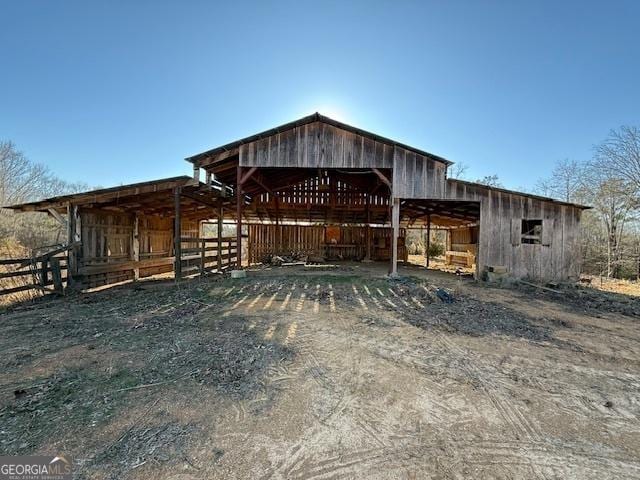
[177, 244]
[239, 219]
[220, 219]
[135, 247]
[395, 220]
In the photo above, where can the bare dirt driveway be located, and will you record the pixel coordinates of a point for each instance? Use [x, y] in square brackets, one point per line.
[296, 375]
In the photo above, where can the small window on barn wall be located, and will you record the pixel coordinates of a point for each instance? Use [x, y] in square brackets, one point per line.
[531, 231]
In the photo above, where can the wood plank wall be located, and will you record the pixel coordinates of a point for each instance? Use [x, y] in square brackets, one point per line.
[319, 145]
[416, 176]
[311, 240]
[107, 246]
[559, 259]
[463, 240]
[316, 145]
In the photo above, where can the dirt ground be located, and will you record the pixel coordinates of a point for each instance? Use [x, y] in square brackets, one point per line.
[298, 374]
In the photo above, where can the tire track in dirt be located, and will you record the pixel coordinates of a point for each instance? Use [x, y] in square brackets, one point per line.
[519, 458]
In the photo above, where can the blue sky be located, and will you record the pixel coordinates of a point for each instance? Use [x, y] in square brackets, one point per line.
[121, 91]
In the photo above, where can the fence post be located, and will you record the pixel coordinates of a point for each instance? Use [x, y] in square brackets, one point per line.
[56, 274]
[177, 232]
[43, 272]
[202, 253]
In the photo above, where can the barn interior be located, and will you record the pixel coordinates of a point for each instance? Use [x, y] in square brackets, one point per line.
[338, 214]
[269, 214]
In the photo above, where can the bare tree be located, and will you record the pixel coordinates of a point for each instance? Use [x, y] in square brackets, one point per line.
[458, 170]
[565, 181]
[620, 154]
[490, 181]
[22, 180]
[615, 203]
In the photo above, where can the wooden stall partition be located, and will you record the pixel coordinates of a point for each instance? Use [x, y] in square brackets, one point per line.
[268, 240]
[208, 254]
[109, 248]
[156, 242]
[106, 243]
[462, 246]
[332, 242]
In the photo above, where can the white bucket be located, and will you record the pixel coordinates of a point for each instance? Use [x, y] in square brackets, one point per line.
[238, 274]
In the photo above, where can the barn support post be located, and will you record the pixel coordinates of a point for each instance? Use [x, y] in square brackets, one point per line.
[203, 249]
[177, 230]
[428, 238]
[73, 235]
[239, 220]
[220, 218]
[135, 247]
[278, 234]
[395, 222]
[367, 257]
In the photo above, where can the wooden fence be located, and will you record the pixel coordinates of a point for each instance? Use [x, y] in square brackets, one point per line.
[201, 255]
[46, 273]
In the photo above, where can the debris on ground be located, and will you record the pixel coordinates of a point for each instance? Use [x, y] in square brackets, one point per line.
[584, 298]
[216, 378]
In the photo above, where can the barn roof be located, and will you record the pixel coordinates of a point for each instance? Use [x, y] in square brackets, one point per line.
[515, 192]
[316, 117]
[152, 197]
[102, 194]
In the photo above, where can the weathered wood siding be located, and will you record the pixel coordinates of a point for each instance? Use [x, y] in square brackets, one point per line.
[266, 240]
[319, 145]
[316, 145]
[501, 212]
[416, 176]
[107, 252]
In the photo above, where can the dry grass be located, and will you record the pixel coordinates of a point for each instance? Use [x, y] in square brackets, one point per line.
[10, 248]
[625, 287]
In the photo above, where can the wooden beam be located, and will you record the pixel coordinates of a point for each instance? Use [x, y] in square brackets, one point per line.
[428, 238]
[135, 248]
[220, 219]
[278, 232]
[368, 235]
[395, 223]
[261, 182]
[177, 244]
[199, 199]
[242, 179]
[382, 177]
[239, 202]
[205, 162]
[73, 237]
[54, 213]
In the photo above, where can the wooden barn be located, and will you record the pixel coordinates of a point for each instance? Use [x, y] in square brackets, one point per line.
[316, 187]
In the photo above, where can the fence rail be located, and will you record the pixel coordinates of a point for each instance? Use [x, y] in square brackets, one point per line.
[46, 272]
[200, 257]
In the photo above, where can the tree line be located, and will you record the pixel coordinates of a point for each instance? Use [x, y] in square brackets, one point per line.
[610, 183]
[22, 180]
